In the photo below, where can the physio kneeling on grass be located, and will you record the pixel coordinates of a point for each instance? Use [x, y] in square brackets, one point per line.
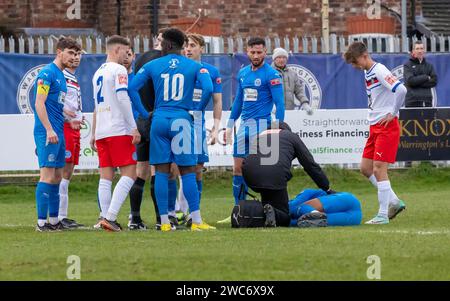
[316, 208]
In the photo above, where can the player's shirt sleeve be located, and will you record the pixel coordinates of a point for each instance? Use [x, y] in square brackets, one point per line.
[386, 78]
[43, 82]
[139, 80]
[236, 108]
[136, 104]
[204, 78]
[121, 79]
[217, 82]
[276, 89]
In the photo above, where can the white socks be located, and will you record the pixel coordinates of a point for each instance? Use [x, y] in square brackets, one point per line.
[196, 217]
[373, 180]
[384, 194]
[104, 196]
[119, 195]
[181, 203]
[165, 219]
[53, 220]
[393, 198]
[63, 198]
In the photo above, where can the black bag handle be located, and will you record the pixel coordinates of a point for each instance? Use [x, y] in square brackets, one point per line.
[241, 192]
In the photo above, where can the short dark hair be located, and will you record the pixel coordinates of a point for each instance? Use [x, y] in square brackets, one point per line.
[175, 37]
[354, 51]
[256, 41]
[418, 42]
[116, 39]
[68, 43]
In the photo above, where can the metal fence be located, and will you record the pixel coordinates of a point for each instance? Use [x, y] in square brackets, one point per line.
[377, 43]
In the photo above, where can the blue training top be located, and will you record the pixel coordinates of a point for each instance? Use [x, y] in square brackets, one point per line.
[256, 94]
[51, 82]
[174, 77]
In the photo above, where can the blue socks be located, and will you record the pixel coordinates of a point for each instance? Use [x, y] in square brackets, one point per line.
[200, 189]
[237, 182]
[172, 194]
[190, 191]
[53, 204]
[304, 208]
[162, 192]
[47, 202]
[43, 193]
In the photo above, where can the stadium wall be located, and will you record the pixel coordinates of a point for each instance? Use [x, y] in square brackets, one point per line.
[237, 17]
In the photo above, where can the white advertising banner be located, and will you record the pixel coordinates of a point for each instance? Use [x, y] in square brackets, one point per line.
[332, 136]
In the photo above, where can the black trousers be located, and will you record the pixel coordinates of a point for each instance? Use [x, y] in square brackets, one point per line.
[418, 104]
[279, 200]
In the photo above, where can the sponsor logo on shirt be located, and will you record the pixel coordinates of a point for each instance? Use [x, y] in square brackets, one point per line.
[123, 79]
[275, 81]
[204, 70]
[173, 63]
[218, 80]
[390, 79]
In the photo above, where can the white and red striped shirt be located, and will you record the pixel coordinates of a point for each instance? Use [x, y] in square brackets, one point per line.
[72, 101]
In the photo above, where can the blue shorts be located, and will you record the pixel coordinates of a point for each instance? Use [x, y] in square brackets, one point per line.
[175, 145]
[244, 140]
[50, 155]
[342, 202]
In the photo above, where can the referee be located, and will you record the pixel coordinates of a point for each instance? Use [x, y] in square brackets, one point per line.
[270, 178]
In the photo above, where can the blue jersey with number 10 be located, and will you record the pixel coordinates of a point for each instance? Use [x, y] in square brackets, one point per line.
[174, 77]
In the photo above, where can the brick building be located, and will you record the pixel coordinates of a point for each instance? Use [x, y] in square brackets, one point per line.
[217, 17]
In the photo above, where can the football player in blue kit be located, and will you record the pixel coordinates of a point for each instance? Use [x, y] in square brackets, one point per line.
[172, 131]
[193, 50]
[49, 133]
[260, 87]
[316, 208]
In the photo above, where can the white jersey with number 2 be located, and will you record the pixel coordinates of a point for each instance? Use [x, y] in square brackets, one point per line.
[109, 79]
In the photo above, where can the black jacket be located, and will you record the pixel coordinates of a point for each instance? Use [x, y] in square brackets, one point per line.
[147, 92]
[275, 176]
[419, 79]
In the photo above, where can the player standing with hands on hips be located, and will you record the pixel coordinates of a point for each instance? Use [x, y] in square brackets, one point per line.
[386, 95]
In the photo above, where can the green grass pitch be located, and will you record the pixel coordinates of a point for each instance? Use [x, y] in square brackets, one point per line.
[414, 246]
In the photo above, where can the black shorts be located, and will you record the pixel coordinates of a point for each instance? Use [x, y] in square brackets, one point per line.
[143, 147]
